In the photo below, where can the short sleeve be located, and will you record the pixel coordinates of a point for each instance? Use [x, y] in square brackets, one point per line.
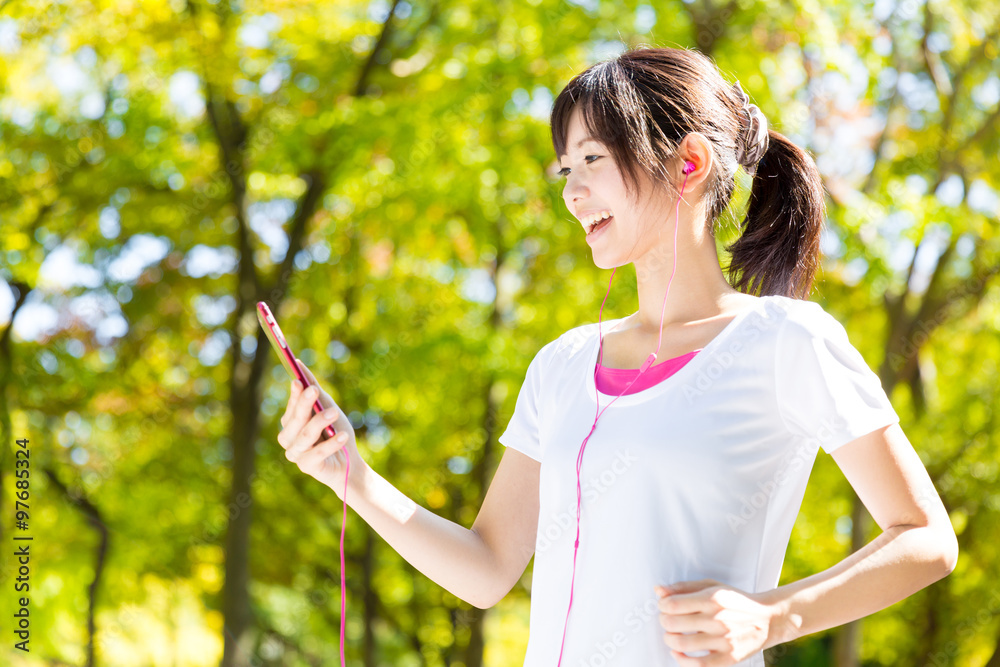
[522, 431]
[824, 388]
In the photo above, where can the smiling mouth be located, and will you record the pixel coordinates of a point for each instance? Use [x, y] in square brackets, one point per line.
[599, 225]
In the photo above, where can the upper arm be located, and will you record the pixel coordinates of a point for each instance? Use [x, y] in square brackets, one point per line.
[891, 481]
[508, 520]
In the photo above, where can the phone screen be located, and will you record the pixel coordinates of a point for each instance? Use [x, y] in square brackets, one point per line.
[273, 332]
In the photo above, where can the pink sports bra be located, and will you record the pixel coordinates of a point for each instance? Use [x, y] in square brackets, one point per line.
[612, 381]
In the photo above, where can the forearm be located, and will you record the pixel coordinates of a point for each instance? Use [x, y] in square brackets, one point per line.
[452, 556]
[896, 564]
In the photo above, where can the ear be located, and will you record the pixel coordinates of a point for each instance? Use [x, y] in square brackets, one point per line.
[696, 149]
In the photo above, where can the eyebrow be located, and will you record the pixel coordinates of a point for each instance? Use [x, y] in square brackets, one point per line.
[581, 143]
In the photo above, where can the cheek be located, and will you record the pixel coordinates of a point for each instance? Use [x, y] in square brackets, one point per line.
[612, 177]
[614, 190]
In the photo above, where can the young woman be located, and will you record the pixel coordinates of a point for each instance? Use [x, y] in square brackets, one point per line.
[657, 492]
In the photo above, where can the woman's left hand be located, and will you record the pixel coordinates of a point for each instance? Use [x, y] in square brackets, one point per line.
[720, 624]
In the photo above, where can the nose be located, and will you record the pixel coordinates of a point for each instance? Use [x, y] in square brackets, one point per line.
[574, 189]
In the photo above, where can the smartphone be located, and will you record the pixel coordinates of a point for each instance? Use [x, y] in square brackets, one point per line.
[273, 331]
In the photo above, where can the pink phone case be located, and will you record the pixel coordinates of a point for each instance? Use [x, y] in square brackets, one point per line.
[273, 331]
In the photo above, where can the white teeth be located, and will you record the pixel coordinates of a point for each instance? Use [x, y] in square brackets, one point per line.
[593, 219]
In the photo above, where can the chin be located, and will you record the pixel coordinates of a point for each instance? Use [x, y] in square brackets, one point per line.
[603, 261]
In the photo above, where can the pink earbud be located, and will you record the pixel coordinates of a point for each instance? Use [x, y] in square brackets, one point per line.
[689, 167]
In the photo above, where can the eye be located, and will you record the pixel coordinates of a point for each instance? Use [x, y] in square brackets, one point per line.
[564, 172]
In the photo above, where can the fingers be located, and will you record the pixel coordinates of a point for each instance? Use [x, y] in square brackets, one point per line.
[698, 622]
[292, 398]
[312, 457]
[310, 433]
[297, 415]
[698, 641]
[688, 603]
[299, 425]
[304, 406]
[682, 587]
[324, 398]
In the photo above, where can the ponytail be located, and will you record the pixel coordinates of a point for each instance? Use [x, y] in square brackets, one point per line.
[778, 252]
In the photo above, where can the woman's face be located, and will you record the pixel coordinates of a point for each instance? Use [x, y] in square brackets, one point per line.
[594, 185]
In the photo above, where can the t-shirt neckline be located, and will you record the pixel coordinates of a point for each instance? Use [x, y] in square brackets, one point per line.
[680, 377]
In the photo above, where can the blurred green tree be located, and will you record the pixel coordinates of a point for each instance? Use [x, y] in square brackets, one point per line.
[381, 173]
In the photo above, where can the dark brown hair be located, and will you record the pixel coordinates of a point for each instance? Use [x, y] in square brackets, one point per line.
[641, 104]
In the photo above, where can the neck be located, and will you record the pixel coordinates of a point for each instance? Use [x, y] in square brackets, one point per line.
[698, 290]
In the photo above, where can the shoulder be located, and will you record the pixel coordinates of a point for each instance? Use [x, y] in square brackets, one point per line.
[576, 343]
[809, 332]
[807, 318]
[784, 322]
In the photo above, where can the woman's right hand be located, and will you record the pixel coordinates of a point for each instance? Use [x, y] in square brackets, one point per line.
[304, 442]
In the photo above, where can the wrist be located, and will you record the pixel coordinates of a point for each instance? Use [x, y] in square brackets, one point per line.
[784, 625]
[357, 481]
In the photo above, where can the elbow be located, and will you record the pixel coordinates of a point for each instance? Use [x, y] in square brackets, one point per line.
[936, 549]
[483, 603]
[949, 551]
[941, 549]
[485, 600]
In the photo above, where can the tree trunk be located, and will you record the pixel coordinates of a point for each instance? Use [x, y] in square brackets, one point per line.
[994, 660]
[21, 291]
[485, 467]
[929, 634]
[95, 519]
[710, 22]
[244, 404]
[477, 637]
[847, 642]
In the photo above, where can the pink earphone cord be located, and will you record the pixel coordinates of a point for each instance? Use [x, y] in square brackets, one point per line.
[688, 167]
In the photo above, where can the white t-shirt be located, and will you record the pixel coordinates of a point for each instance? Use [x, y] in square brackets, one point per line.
[700, 476]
